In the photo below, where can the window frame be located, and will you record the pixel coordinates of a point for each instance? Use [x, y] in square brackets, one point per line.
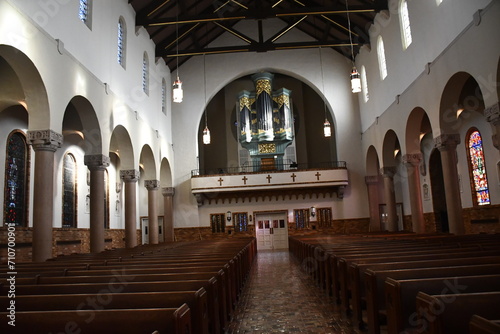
[121, 42]
[364, 84]
[382, 61]
[215, 219]
[145, 73]
[85, 15]
[404, 23]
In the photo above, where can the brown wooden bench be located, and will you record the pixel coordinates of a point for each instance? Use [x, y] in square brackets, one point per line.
[87, 303]
[126, 287]
[442, 314]
[480, 325]
[401, 295]
[125, 321]
[354, 286]
[375, 285]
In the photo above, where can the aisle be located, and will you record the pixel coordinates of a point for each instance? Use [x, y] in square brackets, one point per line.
[280, 298]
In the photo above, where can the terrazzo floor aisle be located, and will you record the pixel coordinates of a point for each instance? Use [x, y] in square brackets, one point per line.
[279, 297]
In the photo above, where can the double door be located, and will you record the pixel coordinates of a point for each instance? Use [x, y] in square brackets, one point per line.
[271, 230]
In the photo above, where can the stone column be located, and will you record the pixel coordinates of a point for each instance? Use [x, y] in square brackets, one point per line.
[152, 186]
[492, 114]
[44, 143]
[390, 197]
[97, 164]
[373, 202]
[412, 162]
[130, 178]
[168, 213]
[447, 144]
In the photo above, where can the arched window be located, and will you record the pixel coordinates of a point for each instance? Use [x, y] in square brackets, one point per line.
[163, 96]
[404, 21]
[477, 168]
[145, 73]
[85, 12]
[122, 41]
[69, 191]
[16, 180]
[364, 84]
[381, 58]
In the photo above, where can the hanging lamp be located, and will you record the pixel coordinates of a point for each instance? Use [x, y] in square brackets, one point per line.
[355, 78]
[206, 131]
[177, 93]
[327, 129]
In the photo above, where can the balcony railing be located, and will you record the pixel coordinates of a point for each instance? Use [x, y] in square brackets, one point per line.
[259, 168]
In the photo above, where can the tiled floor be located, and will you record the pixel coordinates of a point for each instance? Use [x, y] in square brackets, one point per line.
[281, 298]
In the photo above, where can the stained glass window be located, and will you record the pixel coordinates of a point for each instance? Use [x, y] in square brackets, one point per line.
[122, 37]
[163, 96]
[145, 73]
[324, 217]
[69, 191]
[478, 168]
[301, 218]
[16, 180]
[240, 222]
[218, 222]
[106, 199]
[83, 11]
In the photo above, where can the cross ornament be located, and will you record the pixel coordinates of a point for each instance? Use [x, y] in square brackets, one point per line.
[269, 177]
[317, 175]
[293, 176]
[245, 179]
[220, 181]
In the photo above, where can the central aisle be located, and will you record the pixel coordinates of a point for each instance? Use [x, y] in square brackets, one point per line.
[281, 298]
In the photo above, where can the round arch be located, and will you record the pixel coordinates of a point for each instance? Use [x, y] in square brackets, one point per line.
[121, 146]
[34, 92]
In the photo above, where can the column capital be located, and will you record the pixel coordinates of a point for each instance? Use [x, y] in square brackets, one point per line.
[388, 171]
[371, 179]
[168, 191]
[152, 184]
[412, 160]
[45, 140]
[96, 161]
[130, 175]
[447, 142]
[492, 114]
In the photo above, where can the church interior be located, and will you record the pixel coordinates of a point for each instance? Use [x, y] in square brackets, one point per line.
[214, 130]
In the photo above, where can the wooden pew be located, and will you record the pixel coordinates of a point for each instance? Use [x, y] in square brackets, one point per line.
[124, 287]
[442, 314]
[355, 277]
[401, 294]
[125, 321]
[480, 325]
[87, 303]
[375, 285]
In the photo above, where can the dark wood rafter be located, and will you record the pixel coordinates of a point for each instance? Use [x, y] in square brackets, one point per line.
[188, 27]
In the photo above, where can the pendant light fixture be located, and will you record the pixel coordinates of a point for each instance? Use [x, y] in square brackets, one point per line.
[206, 131]
[177, 93]
[327, 128]
[355, 78]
